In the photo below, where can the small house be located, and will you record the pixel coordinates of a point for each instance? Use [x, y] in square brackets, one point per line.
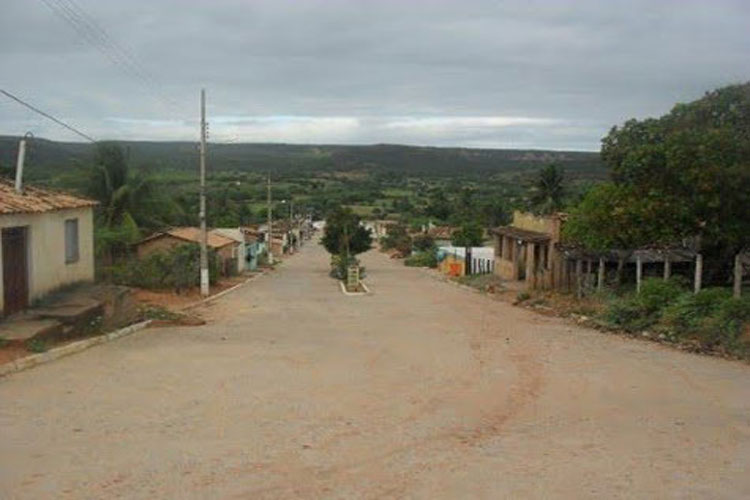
[47, 242]
[527, 250]
[236, 234]
[164, 241]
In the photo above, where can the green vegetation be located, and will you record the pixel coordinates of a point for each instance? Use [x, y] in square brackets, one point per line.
[683, 176]
[469, 235]
[712, 318]
[37, 345]
[177, 269]
[424, 258]
[344, 237]
[398, 239]
[548, 194]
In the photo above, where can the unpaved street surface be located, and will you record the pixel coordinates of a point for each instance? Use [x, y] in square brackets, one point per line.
[421, 390]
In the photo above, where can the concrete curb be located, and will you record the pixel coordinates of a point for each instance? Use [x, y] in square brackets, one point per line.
[355, 294]
[223, 292]
[66, 350]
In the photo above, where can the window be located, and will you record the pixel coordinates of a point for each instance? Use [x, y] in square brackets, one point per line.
[71, 241]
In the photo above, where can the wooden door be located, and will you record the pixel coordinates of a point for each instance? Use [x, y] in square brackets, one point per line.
[15, 270]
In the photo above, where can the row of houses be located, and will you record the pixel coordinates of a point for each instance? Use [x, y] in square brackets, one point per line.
[47, 242]
[238, 249]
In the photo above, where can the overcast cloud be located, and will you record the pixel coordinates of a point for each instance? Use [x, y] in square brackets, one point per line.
[524, 74]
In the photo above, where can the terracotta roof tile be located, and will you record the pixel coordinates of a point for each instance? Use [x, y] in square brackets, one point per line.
[37, 200]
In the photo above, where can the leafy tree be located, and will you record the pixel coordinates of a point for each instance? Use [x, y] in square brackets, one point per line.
[469, 235]
[423, 242]
[344, 234]
[438, 205]
[398, 238]
[547, 196]
[682, 175]
[495, 213]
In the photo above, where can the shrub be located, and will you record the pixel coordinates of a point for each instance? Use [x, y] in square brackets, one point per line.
[422, 259]
[178, 269]
[712, 316]
[340, 264]
[397, 239]
[423, 242]
[637, 312]
[522, 296]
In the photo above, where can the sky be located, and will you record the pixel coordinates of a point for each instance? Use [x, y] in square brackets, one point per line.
[554, 74]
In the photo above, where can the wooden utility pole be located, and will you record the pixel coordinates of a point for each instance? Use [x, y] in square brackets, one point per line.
[202, 213]
[270, 218]
[600, 277]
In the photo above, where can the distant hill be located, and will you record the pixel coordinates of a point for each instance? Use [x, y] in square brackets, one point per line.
[48, 158]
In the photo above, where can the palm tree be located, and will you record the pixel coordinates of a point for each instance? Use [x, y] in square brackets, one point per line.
[548, 192]
[120, 196]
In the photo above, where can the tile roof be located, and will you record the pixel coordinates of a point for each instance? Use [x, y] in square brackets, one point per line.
[521, 234]
[37, 200]
[192, 234]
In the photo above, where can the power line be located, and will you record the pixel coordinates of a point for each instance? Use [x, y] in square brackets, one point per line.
[95, 35]
[48, 116]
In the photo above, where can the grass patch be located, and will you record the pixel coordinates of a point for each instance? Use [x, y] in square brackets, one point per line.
[37, 345]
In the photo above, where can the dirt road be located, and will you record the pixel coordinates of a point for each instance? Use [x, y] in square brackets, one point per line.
[422, 390]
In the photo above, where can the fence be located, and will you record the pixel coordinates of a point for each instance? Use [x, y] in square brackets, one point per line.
[453, 261]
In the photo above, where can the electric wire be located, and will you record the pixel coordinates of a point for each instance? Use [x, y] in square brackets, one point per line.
[47, 115]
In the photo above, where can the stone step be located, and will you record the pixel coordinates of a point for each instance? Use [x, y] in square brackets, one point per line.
[22, 328]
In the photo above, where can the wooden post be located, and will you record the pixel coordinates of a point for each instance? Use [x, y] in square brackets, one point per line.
[698, 272]
[638, 273]
[579, 278]
[737, 289]
[667, 267]
[530, 265]
[600, 278]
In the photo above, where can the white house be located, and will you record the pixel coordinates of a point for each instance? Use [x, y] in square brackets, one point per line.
[47, 242]
[239, 251]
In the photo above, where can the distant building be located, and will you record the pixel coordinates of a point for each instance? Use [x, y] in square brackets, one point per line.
[47, 242]
[442, 235]
[226, 248]
[527, 250]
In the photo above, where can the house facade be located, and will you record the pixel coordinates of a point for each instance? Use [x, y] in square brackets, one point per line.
[164, 241]
[527, 250]
[47, 242]
[236, 234]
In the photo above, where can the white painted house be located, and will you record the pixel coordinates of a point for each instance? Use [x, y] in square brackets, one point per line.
[239, 251]
[47, 242]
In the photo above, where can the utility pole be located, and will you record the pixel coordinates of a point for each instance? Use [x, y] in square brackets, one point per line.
[291, 226]
[270, 222]
[202, 213]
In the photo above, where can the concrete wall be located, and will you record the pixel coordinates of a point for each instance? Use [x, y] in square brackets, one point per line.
[46, 249]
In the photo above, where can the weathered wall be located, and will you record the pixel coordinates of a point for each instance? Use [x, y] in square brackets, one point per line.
[46, 249]
[542, 224]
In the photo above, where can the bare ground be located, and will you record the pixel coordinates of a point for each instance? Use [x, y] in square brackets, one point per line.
[422, 390]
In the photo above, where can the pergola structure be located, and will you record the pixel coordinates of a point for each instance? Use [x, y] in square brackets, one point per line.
[639, 257]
